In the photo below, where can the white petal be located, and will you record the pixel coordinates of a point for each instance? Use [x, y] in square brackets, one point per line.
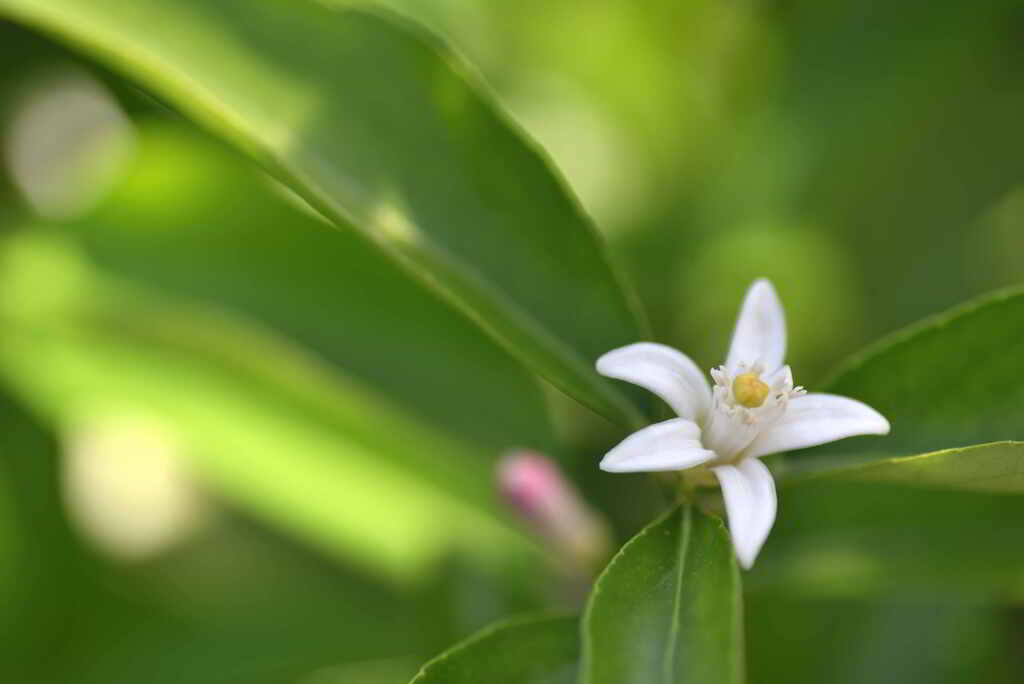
[749, 492]
[663, 370]
[782, 378]
[727, 434]
[760, 333]
[671, 445]
[816, 419]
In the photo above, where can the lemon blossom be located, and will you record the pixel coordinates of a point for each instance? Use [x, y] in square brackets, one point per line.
[753, 409]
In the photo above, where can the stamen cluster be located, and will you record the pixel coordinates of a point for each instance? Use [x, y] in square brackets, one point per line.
[732, 425]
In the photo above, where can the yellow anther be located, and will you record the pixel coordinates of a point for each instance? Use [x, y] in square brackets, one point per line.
[749, 391]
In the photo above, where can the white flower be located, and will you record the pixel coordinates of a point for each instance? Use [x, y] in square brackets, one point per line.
[753, 410]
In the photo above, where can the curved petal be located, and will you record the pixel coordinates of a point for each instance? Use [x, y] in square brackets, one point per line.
[663, 370]
[671, 445]
[781, 378]
[749, 492]
[817, 419]
[760, 333]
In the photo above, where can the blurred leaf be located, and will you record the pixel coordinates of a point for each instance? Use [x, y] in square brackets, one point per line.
[234, 239]
[241, 605]
[518, 651]
[237, 604]
[668, 608]
[841, 539]
[372, 121]
[952, 380]
[884, 640]
[267, 427]
[40, 576]
[997, 467]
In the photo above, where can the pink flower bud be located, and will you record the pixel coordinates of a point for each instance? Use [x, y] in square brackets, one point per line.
[533, 485]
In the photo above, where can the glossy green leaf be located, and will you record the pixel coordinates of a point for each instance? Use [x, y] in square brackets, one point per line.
[997, 468]
[518, 651]
[667, 610]
[950, 381]
[327, 290]
[376, 123]
[265, 425]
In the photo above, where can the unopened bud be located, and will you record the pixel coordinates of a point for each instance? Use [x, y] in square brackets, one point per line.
[553, 507]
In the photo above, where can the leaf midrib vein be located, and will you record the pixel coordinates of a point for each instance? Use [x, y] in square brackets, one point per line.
[673, 635]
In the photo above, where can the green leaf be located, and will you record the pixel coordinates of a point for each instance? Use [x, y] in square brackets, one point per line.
[374, 122]
[519, 651]
[997, 467]
[950, 381]
[266, 426]
[41, 573]
[848, 539]
[668, 608]
[327, 290]
[882, 640]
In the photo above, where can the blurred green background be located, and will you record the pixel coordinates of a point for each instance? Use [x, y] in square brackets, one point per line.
[196, 493]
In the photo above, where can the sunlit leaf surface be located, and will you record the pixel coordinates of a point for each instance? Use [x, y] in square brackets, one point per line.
[266, 425]
[327, 290]
[996, 468]
[375, 123]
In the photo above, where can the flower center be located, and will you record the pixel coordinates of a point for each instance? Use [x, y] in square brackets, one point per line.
[749, 391]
